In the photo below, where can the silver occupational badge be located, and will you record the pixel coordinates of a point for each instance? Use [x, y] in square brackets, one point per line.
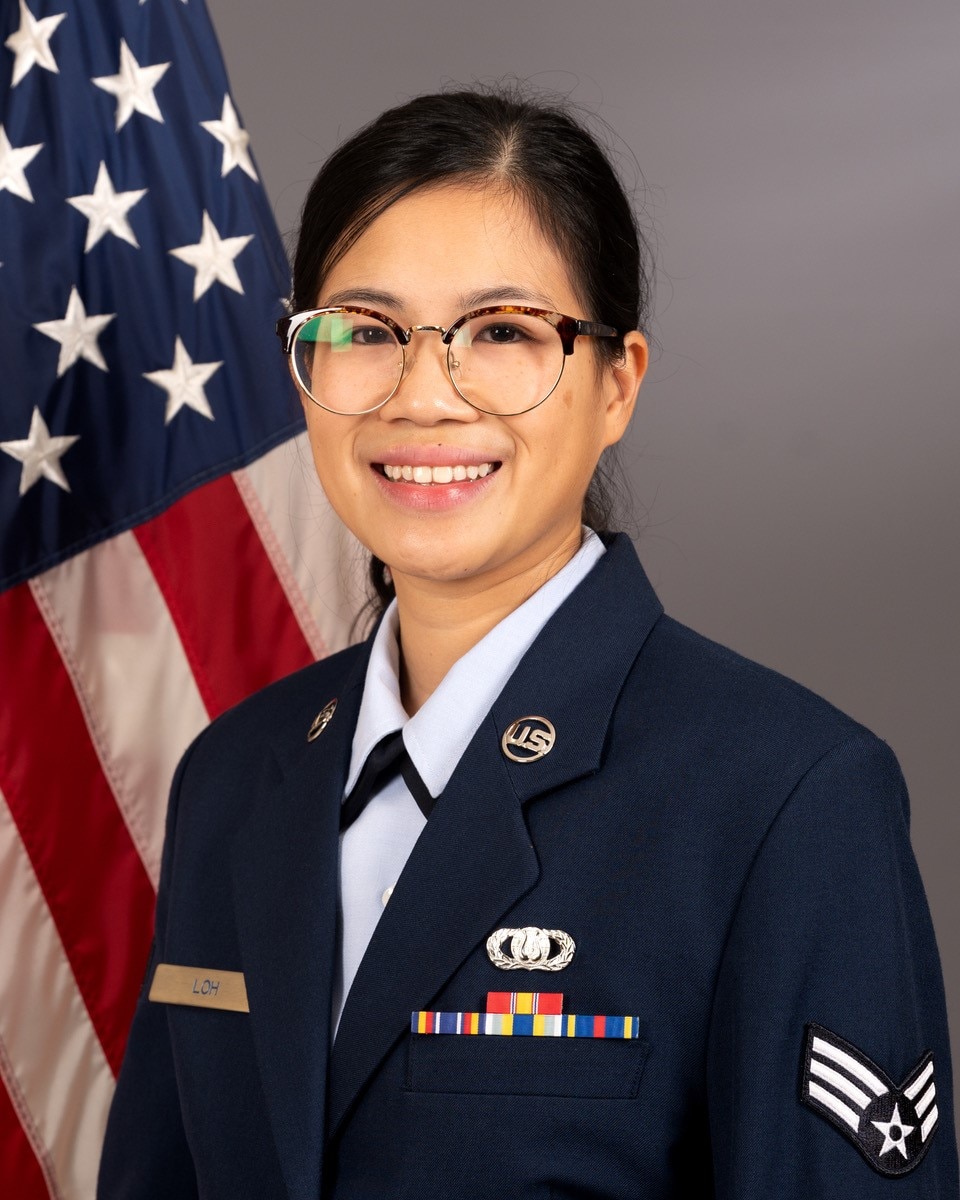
[530, 949]
[528, 739]
[321, 721]
[891, 1126]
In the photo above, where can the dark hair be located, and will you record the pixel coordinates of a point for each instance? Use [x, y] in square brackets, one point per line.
[535, 148]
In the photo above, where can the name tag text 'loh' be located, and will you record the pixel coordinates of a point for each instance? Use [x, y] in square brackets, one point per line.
[199, 987]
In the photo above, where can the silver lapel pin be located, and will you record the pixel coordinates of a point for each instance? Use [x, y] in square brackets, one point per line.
[530, 949]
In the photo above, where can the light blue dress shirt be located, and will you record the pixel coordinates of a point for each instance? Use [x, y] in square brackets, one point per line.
[374, 849]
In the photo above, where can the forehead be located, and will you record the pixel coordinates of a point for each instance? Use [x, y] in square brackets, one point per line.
[448, 243]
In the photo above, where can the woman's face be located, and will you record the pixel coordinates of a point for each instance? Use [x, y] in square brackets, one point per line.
[427, 259]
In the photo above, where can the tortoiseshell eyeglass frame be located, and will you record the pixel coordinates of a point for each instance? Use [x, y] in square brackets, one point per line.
[568, 330]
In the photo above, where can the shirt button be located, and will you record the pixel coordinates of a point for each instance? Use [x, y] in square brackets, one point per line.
[386, 895]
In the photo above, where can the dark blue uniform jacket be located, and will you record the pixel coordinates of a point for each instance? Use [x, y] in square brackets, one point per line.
[730, 855]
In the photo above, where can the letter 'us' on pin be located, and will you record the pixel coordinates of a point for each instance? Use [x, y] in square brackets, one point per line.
[199, 987]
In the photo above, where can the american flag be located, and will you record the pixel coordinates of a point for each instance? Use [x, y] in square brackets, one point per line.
[164, 548]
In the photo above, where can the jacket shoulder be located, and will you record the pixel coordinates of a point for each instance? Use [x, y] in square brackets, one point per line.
[716, 692]
[281, 712]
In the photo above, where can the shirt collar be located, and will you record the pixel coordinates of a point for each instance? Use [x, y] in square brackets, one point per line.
[438, 734]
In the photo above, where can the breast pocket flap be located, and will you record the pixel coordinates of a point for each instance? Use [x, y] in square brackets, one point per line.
[582, 1068]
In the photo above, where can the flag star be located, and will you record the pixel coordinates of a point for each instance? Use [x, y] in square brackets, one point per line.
[31, 43]
[12, 166]
[106, 210]
[77, 334]
[894, 1133]
[183, 383]
[235, 141]
[212, 258]
[133, 87]
[40, 454]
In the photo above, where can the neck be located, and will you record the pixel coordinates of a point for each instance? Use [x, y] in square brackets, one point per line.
[441, 620]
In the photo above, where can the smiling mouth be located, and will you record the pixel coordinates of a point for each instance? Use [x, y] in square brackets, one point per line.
[434, 475]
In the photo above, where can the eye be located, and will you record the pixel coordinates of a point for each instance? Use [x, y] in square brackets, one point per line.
[372, 335]
[502, 333]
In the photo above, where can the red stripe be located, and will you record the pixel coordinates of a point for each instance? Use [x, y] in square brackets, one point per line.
[19, 1169]
[92, 878]
[599, 1026]
[550, 1002]
[233, 617]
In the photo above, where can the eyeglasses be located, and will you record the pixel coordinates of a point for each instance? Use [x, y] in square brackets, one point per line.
[503, 360]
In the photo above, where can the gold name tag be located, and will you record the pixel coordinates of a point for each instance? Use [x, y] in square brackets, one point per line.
[199, 987]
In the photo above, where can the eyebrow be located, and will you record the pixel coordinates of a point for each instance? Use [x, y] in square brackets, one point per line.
[499, 295]
[364, 296]
[467, 301]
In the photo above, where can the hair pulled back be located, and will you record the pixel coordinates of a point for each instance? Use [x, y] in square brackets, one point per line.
[530, 146]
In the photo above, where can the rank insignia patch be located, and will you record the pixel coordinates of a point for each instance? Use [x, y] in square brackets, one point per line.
[891, 1126]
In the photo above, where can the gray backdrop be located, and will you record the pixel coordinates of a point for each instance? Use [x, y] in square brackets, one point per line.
[795, 456]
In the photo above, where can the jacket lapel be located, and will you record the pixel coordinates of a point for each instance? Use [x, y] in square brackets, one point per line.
[472, 862]
[285, 884]
[474, 859]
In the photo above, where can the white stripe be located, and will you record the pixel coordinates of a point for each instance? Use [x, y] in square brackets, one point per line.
[918, 1084]
[8, 1079]
[131, 676]
[321, 567]
[928, 1123]
[926, 1099]
[840, 1082]
[843, 1111]
[58, 1067]
[279, 561]
[850, 1065]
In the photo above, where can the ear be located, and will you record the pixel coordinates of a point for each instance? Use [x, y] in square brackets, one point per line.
[623, 383]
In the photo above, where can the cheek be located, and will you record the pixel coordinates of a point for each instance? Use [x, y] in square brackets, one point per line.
[570, 432]
[332, 456]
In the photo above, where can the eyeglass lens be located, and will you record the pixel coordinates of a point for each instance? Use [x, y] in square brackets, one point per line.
[500, 363]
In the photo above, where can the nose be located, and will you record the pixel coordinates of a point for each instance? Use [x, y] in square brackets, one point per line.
[426, 394]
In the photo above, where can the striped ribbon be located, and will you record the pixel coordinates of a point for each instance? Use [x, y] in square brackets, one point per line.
[525, 1002]
[571, 1025]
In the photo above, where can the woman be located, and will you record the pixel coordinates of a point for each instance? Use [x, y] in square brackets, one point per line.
[694, 872]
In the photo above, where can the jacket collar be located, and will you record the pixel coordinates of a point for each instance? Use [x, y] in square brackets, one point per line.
[573, 674]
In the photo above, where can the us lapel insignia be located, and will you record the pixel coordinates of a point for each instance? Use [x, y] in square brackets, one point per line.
[530, 949]
[891, 1126]
[321, 720]
[528, 739]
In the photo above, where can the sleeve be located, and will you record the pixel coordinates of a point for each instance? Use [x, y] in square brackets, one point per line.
[145, 1153]
[828, 1059]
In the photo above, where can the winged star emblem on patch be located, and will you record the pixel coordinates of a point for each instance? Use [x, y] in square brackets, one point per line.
[891, 1126]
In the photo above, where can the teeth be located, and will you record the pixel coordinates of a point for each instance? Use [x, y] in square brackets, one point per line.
[436, 474]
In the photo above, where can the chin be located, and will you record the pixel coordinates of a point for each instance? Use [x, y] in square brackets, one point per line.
[437, 570]
[441, 562]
